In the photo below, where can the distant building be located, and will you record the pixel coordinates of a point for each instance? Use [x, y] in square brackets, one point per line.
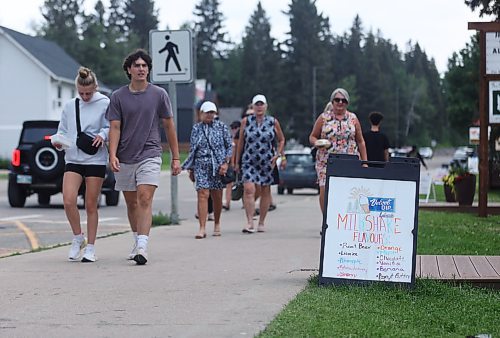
[38, 77]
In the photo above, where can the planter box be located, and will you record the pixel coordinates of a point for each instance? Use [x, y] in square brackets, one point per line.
[465, 189]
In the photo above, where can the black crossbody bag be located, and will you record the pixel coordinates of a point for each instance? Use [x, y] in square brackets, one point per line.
[83, 140]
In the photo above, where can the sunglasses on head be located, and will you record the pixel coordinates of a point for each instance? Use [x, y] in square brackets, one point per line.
[338, 100]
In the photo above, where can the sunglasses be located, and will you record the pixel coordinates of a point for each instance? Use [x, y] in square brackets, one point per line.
[338, 100]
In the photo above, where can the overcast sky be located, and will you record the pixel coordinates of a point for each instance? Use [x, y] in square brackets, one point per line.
[439, 26]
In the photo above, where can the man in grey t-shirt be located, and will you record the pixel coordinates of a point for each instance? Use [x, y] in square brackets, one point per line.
[135, 113]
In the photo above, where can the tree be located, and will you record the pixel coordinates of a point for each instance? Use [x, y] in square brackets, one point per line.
[461, 83]
[307, 48]
[61, 24]
[260, 67]
[140, 18]
[486, 7]
[210, 38]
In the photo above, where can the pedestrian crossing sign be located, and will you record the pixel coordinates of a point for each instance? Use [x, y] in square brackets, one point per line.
[172, 54]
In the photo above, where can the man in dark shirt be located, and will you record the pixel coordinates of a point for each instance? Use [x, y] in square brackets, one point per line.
[377, 144]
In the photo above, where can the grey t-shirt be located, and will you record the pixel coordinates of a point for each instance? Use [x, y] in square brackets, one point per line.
[140, 114]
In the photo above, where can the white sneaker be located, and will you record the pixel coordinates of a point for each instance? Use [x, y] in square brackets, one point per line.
[76, 247]
[132, 253]
[89, 255]
[141, 257]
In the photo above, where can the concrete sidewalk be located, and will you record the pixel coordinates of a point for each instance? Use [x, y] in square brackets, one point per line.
[227, 286]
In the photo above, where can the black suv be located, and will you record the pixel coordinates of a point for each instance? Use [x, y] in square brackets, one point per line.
[38, 168]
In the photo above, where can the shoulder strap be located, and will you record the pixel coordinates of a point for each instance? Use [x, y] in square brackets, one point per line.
[208, 141]
[77, 110]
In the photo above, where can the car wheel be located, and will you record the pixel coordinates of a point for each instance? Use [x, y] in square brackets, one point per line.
[17, 195]
[112, 198]
[281, 190]
[290, 191]
[45, 161]
[43, 199]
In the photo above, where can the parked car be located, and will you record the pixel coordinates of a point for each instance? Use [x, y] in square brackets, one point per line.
[38, 168]
[426, 152]
[299, 172]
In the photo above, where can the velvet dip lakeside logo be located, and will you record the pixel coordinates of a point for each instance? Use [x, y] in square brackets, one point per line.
[361, 200]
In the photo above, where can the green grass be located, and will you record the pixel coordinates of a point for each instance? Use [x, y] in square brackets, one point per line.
[166, 159]
[161, 219]
[449, 233]
[431, 309]
[493, 194]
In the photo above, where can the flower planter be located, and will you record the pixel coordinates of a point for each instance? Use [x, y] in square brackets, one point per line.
[449, 194]
[465, 189]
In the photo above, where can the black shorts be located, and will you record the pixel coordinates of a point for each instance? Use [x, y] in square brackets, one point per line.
[86, 170]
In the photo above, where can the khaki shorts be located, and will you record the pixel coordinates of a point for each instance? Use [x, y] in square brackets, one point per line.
[132, 175]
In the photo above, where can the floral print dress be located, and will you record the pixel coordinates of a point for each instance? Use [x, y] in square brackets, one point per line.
[342, 136]
[258, 151]
[211, 145]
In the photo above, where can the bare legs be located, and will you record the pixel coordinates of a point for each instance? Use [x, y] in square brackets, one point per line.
[139, 208]
[249, 196]
[203, 210]
[71, 185]
[322, 198]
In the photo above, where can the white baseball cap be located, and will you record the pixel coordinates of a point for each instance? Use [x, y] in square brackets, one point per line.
[259, 98]
[208, 106]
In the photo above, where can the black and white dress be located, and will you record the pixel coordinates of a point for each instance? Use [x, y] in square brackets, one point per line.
[211, 144]
[258, 150]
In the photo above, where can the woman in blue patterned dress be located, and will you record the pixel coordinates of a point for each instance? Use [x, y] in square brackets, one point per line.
[208, 160]
[258, 157]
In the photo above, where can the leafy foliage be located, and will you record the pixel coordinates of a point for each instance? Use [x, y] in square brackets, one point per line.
[297, 74]
[486, 7]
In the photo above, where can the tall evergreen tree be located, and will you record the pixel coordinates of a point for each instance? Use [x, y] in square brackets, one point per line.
[260, 66]
[307, 48]
[140, 18]
[461, 83]
[210, 38]
[61, 24]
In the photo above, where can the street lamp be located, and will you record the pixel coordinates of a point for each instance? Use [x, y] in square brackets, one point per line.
[314, 70]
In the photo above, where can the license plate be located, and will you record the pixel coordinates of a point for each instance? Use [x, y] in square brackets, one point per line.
[24, 179]
[299, 170]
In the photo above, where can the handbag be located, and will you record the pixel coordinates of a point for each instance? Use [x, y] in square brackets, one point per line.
[237, 191]
[276, 175]
[230, 176]
[83, 140]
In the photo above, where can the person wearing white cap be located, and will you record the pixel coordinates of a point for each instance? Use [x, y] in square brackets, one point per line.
[208, 160]
[338, 131]
[258, 158]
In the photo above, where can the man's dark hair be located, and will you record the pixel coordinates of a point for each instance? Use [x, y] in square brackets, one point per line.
[375, 118]
[134, 56]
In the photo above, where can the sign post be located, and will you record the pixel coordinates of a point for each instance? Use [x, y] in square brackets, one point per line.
[489, 70]
[172, 55]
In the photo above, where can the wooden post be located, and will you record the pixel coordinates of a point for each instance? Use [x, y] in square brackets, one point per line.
[484, 78]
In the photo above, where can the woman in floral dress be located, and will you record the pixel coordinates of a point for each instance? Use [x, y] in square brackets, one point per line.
[336, 131]
[258, 158]
[208, 160]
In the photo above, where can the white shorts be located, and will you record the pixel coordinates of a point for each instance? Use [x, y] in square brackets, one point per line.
[132, 175]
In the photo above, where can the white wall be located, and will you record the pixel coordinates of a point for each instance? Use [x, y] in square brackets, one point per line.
[26, 93]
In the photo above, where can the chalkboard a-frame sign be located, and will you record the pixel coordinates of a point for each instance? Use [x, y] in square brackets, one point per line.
[370, 222]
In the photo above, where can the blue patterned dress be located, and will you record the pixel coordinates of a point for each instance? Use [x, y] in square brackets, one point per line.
[258, 150]
[205, 159]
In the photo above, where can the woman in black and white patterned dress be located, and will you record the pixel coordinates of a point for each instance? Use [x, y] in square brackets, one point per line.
[208, 159]
[258, 158]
